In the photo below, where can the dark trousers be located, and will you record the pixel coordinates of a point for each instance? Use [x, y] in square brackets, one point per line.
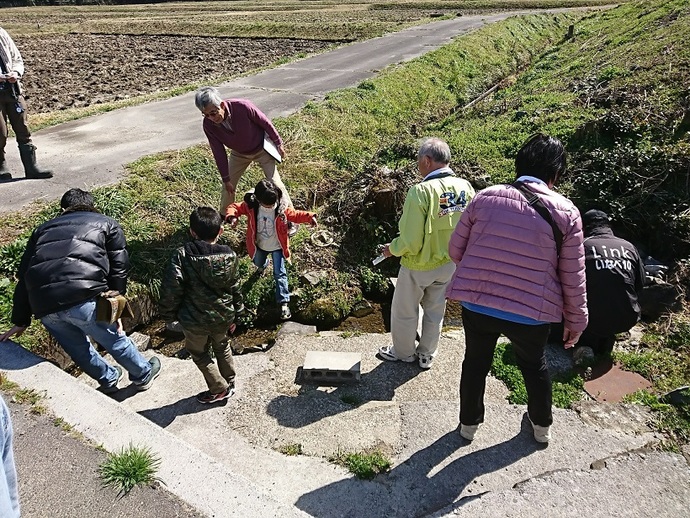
[8, 106]
[481, 334]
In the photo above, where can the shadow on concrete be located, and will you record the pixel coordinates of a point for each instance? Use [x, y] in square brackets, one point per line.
[13, 357]
[311, 405]
[415, 488]
[165, 415]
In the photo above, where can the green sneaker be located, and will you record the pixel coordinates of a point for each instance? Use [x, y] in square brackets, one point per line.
[112, 388]
[155, 371]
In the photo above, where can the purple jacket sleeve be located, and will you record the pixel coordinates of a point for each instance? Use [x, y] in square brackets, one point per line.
[219, 154]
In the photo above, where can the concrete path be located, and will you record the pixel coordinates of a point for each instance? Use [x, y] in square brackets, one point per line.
[412, 416]
[91, 152]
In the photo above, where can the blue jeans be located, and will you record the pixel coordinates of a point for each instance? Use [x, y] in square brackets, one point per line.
[279, 272]
[70, 328]
[9, 496]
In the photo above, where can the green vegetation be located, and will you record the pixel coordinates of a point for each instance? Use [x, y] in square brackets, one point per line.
[291, 449]
[365, 465]
[672, 420]
[132, 466]
[567, 387]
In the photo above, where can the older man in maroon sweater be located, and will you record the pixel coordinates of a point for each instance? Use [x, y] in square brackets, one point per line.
[240, 126]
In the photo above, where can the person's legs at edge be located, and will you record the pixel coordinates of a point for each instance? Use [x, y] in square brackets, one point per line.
[528, 344]
[9, 494]
[223, 352]
[18, 120]
[434, 305]
[197, 345]
[480, 343]
[237, 165]
[270, 168]
[73, 341]
[405, 313]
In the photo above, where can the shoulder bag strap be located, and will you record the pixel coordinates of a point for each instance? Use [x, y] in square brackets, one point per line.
[535, 202]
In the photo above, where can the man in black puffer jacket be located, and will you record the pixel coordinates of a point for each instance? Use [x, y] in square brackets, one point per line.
[68, 262]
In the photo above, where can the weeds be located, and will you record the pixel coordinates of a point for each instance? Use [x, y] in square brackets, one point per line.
[291, 449]
[131, 467]
[365, 465]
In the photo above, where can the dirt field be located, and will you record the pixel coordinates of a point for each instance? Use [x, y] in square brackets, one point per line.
[76, 70]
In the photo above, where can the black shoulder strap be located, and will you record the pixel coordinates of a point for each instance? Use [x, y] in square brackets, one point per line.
[536, 203]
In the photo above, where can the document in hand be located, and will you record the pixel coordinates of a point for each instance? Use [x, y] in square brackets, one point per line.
[271, 149]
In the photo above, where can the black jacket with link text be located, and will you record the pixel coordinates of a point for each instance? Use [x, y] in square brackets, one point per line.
[615, 274]
[68, 260]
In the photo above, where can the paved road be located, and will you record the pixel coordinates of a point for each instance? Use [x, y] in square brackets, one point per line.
[92, 152]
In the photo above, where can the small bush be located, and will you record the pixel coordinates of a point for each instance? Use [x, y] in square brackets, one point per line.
[132, 466]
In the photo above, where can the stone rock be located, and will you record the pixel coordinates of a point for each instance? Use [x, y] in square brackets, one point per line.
[314, 277]
[294, 328]
[141, 340]
[657, 299]
[362, 309]
[144, 309]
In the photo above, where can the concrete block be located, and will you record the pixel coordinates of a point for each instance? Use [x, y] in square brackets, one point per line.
[332, 367]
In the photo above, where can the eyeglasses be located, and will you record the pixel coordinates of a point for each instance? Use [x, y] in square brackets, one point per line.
[215, 112]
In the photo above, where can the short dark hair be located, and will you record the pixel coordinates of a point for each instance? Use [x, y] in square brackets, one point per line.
[541, 156]
[205, 222]
[267, 193]
[76, 198]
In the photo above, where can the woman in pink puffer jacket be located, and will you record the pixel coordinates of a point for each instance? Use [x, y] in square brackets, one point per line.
[510, 279]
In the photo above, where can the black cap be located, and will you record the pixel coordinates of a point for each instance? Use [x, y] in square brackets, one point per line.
[595, 217]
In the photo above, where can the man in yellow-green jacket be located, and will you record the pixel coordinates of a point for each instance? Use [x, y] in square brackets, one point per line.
[432, 209]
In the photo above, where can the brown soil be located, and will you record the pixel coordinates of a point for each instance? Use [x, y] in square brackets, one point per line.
[77, 70]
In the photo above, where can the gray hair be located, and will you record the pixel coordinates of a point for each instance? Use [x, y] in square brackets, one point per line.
[207, 95]
[436, 149]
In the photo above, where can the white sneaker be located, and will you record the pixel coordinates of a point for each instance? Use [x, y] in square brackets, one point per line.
[467, 431]
[388, 353]
[425, 361]
[542, 434]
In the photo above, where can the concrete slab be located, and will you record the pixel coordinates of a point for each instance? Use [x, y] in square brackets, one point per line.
[409, 414]
[648, 484]
[610, 383]
[331, 367]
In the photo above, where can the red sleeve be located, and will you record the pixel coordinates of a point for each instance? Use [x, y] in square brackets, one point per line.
[298, 216]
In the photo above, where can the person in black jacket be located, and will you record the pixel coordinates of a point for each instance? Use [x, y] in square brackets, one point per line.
[68, 262]
[615, 274]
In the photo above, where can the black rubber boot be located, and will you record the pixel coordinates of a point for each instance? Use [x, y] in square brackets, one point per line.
[4, 173]
[31, 170]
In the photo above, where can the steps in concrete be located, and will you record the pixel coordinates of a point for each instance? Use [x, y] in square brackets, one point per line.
[408, 413]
